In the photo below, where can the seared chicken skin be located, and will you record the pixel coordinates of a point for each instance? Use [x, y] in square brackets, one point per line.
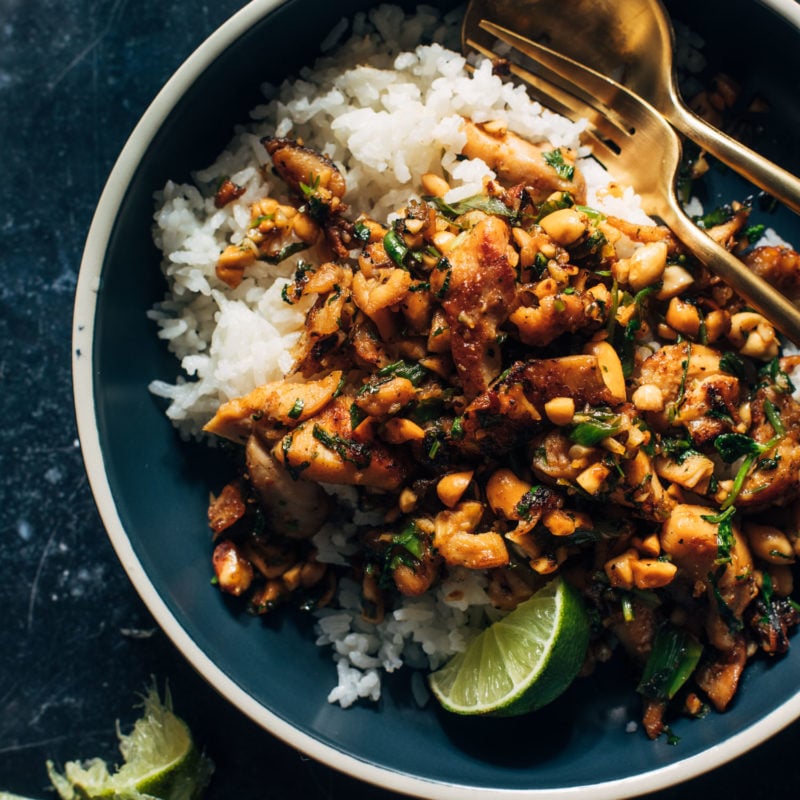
[478, 287]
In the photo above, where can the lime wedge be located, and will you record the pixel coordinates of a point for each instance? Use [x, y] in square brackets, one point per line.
[161, 762]
[520, 662]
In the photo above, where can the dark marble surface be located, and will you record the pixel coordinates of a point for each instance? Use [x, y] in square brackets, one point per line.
[76, 643]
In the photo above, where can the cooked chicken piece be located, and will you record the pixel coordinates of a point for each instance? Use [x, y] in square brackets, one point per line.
[325, 449]
[552, 461]
[771, 624]
[457, 543]
[779, 266]
[498, 418]
[330, 278]
[328, 324]
[227, 508]
[377, 295]
[774, 479]
[693, 544]
[726, 233]
[653, 717]
[271, 557]
[294, 508]
[283, 402]
[710, 406]
[643, 233]
[227, 192]
[719, 678]
[637, 634]
[413, 580]
[414, 567]
[367, 348]
[386, 398]
[373, 604]
[692, 471]
[633, 484]
[517, 161]
[307, 172]
[697, 393]
[233, 261]
[233, 571]
[673, 365]
[556, 314]
[478, 288]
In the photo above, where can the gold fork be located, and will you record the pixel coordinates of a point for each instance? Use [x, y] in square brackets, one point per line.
[638, 147]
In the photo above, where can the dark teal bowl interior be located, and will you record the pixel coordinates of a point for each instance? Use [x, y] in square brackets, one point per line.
[161, 486]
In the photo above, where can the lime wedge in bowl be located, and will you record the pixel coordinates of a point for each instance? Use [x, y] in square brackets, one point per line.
[161, 762]
[520, 662]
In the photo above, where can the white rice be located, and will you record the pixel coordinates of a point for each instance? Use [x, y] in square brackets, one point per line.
[386, 111]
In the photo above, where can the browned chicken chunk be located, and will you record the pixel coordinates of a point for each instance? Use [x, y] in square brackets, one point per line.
[516, 161]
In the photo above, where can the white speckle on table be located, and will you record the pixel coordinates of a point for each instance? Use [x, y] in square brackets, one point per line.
[25, 530]
[631, 727]
[53, 475]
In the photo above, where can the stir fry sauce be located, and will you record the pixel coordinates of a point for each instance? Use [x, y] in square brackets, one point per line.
[519, 384]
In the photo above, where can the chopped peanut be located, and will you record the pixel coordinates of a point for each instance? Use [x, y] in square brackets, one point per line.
[610, 367]
[769, 543]
[450, 489]
[592, 478]
[434, 185]
[619, 570]
[560, 410]
[650, 573]
[564, 226]
[398, 430]
[648, 397]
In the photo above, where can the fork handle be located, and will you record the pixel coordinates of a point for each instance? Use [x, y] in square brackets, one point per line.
[762, 296]
[764, 173]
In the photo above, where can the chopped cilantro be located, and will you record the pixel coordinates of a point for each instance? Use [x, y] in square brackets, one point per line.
[555, 158]
[297, 409]
[478, 202]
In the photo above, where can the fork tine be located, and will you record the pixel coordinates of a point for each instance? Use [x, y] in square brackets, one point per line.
[600, 132]
[605, 95]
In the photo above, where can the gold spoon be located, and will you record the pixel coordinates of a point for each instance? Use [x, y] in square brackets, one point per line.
[631, 42]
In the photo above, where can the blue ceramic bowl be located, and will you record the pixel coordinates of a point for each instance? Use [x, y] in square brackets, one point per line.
[152, 489]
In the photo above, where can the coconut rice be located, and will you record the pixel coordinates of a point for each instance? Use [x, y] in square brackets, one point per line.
[386, 110]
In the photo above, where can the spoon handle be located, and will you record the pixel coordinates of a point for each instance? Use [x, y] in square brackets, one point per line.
[764, 173]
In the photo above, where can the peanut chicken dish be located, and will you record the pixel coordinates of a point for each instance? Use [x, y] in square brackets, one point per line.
[520, 385]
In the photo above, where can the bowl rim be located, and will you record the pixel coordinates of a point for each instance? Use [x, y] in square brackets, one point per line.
[788, 9]
[83, 372]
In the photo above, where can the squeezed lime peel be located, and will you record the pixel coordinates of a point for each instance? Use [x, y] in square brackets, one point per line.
[161, 762]
[521, 662]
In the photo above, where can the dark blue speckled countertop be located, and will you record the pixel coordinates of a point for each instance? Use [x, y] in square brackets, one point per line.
[76, 643]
